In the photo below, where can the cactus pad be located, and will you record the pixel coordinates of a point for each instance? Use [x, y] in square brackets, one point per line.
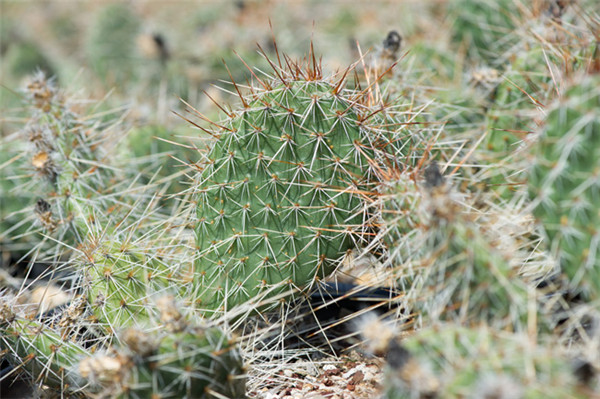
[282, 195]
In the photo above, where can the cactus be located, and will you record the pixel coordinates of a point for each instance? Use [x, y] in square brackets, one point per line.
[483, 27]
[119, 280]
[46, 354]
[469, 281]
[185, 362]
[57, 180]
[282, 195]
[115, 262]
[76, 185]
[531, 82]
[97, 232]
[299, 179]
[524, 87]
[455, 362]
[539, 66]
[447, 259]
[70, 176]
[111, 46]
[564, 186]
[172, 358]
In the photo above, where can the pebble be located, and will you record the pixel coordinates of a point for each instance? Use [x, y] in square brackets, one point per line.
[288, 373]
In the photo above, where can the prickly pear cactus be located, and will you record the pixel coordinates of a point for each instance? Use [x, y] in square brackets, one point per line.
[183, 361]
[46, 354]
[449, 265]
[523, 89]
[529, 84]
[563, 183]
[469, 281]
[67, 164]
[456, 362]
[282, 196]
[483, 27]
[119, 281]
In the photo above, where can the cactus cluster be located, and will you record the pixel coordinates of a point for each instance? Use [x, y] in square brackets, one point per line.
[108, 260]
[67, 160]
[448, 257]
[466, 279]
[283, 196]
[288, 192]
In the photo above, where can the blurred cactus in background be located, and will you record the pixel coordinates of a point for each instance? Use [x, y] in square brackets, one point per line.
[163, 154]
[483, 28]
[111, 44]
[563, 184]
[454, 362]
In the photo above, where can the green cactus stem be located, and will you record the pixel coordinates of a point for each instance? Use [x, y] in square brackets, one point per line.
[563, 183]
[282, 195]
[451, 361]
[178, 360]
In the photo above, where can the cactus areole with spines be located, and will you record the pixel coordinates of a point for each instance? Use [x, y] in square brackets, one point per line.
[282, 196]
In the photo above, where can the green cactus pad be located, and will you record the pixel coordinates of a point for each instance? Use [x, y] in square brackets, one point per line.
[446, 261]
[456, 362]
[563, 182]
[120, 282]
[470, 281]
[282, 195]
[197, 363]
[44, 353]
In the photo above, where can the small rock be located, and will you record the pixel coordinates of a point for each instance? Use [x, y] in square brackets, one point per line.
[288, 373]
[357, 377]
